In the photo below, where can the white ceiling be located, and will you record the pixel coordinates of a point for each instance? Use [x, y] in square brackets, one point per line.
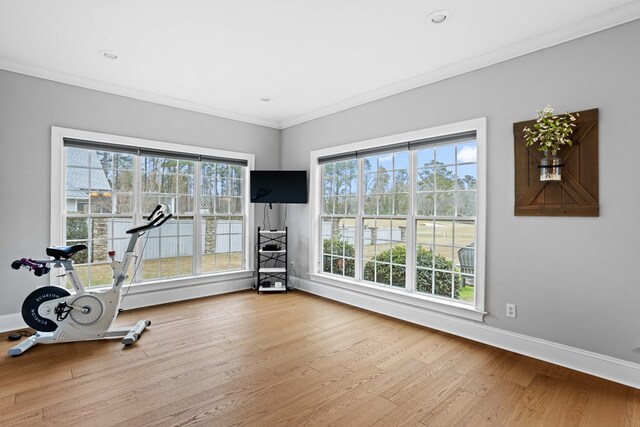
[312, 57]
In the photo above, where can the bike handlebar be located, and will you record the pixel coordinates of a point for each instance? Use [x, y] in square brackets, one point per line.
[159, 216]
[38, 267]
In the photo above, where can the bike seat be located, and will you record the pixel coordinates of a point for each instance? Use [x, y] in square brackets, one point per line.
[64, 251]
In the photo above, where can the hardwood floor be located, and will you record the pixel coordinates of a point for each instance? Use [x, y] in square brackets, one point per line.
[295, 359]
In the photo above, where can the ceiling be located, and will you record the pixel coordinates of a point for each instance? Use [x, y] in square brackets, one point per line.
[310, 57]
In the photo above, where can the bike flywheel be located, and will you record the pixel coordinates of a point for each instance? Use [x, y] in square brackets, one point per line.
[32, 303]
[88, 310]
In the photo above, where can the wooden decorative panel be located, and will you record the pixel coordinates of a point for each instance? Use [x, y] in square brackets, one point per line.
[577, 193]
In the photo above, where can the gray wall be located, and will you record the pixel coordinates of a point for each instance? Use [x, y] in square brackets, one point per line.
[575, 280]
[30, 106]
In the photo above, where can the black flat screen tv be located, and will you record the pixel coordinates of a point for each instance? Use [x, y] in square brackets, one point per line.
[278, 186]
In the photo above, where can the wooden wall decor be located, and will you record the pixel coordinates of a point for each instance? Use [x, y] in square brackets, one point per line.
[577, 193]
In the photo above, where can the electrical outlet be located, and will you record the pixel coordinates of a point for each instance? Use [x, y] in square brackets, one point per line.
[291, 264]
[511, 310]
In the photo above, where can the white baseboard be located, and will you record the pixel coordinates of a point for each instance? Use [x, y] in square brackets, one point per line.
[162, 296]
[148, 297]
[11, 322]
[610, 368]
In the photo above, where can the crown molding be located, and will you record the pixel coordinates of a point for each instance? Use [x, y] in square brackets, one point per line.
[612, 18]
[131, 93]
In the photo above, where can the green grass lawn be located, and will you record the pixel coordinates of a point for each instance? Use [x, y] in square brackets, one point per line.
[466, 294]
[159, 268]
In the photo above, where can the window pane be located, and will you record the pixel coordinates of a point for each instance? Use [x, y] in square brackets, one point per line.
[466, 203]
[163, 253]
[340, 207]
[445, 154]
[425, 179]
[425, 157]
[352, 205]
[77, 156]
[400, 181]
[442, 284]
[77, 229]
[383, 273]
[444, 205]
[425, 232]
[465, 233]
[235, 205]
[467, 176]
[384, 244]
[100, 235]
[385, 204]
[467, 152]
[424, 256]
[370, 205]
[443, 232]
[369, 183]
[426, 204]
[424, 279]
[236, 187]
[401, 160]
[445, 177]
[399, 278]
[338, 246]
[222, 205]
[444, 256]
[123, 180]
[185, 167]
[465, 252]
[383, 183]
[185, 204]
[223, 243]
[401, 204]
[385, 161]
[327, 205]
[168, 183]
[185, 184]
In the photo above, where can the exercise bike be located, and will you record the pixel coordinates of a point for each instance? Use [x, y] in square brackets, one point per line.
[58, 316]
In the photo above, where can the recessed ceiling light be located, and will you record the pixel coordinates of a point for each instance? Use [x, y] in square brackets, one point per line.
[266, 99]
[439, 16]
[107, 54]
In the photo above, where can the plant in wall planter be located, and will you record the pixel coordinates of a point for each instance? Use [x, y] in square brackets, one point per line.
[550, 133]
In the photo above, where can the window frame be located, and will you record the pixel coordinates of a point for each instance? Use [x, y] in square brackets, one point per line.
[475, 311]
[57, 228]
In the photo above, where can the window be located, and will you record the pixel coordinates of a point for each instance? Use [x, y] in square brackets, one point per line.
[405, 213]
[339, 207]
[109, 187]
[221, 189]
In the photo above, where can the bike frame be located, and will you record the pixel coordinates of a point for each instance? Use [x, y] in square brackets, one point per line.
[119, 267]
[103, 303]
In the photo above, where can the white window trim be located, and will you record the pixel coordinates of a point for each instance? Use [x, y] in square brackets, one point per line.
[57, 194]
[474, 311]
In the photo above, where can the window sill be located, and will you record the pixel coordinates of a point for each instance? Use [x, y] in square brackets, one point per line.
[167, 284]
[452, 308]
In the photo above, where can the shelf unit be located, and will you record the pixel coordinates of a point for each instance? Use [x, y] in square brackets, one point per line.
[272, 263]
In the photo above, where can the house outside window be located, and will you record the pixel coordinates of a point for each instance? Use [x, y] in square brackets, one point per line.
[405, 215]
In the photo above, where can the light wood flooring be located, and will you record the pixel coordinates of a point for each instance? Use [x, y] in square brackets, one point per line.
[295, 359]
